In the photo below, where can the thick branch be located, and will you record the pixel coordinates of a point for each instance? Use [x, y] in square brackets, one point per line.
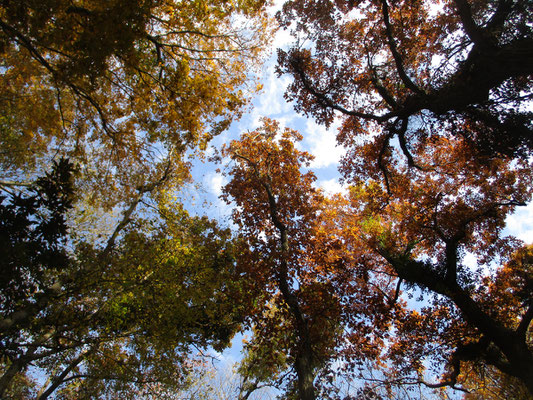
[525, 322]
[472, 30]
[403, 144]
[59, 379]
[394, 50]
[383, 92]
[507, 341]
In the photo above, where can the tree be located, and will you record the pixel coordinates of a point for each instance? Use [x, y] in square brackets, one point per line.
[113, 320]
[310, 298]
[425, 224]
[512, 288]
[124, 89]
[415, 69]
[118, 85]
[277, 201]
[435, 84]
[33, 232]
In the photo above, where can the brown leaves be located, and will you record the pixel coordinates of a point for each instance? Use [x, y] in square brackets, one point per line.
[407, 60]
[308, 255]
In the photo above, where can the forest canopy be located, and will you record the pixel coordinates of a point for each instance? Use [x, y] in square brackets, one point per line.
[407, 283]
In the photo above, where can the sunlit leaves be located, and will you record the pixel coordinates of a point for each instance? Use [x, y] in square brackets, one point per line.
[119, 85]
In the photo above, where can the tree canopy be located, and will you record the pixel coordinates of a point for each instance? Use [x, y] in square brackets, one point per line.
[316, 306]
[108, 284]
[120, 85]
[405, 284]
[415, 69]
[438, 132]
[113, 321]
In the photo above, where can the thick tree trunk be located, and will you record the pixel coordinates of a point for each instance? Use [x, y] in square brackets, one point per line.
[306, 376]
[304, 358]
[15, 367]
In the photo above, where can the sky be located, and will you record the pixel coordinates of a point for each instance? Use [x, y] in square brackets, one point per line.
[318, 140]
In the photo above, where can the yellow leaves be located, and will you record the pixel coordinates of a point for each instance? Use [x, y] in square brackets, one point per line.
[135, 76]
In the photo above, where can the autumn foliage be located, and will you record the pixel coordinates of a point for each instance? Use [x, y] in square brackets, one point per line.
[405, 284]
[433, 100]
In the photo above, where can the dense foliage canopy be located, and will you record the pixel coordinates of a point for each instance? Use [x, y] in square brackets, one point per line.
[108, 285]
[403, 286]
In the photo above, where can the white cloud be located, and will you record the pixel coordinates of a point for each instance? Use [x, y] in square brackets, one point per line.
[283, 39]
[270, 102]
[214, 182]
[322, 143]
[470, 261]
[520, 224]
[331, 186]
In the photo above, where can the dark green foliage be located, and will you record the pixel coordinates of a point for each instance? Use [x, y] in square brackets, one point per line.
[32, 232]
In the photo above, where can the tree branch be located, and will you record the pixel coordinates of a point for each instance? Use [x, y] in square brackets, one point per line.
[394, 50]
[472, 30]
[325, 101]
[126, 215]
[60, 379]
[525, 322]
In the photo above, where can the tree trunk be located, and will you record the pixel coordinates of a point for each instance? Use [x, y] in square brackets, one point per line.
[15, 367]
[304, 358]
[306, 376]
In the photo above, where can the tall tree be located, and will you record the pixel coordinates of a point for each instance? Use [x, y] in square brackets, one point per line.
[448, 87]
[118, 318]
[277, 201]
[310, 298]
[124, 89]
[425, 223]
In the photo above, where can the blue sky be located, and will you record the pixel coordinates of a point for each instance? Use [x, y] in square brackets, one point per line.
[318, 140]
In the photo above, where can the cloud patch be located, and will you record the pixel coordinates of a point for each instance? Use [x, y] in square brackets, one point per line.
[322, 143]
[520, 223]
[331, 186]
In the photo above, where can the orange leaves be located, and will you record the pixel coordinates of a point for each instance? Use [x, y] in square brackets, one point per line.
[439, 143]
[308, 254]
[263, 159]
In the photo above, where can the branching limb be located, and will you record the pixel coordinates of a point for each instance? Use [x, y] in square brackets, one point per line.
[126, 216]
[472, 30]
[26, 43]
[396, 292]
[403, 144]
[394, 50]
[324, 101]
[60, 379]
